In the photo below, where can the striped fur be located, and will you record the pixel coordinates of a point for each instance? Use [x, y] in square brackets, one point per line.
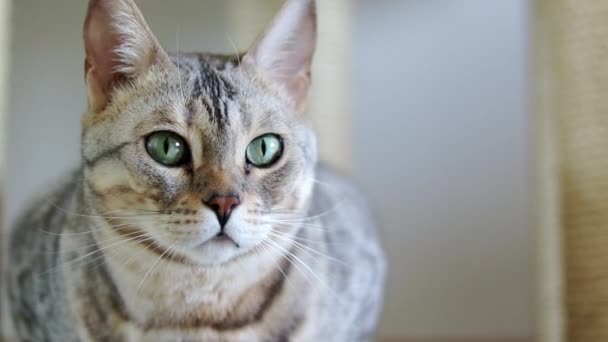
[125, 249]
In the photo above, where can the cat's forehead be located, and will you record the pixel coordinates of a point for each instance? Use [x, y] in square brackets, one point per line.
[208, 97]
[218, 93]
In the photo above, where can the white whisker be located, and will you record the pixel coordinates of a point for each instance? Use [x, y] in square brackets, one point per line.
[154, 264]
[292, 255]
[99, 250]
[306, 248]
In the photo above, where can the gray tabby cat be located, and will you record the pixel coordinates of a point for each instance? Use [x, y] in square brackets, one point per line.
[199, 212]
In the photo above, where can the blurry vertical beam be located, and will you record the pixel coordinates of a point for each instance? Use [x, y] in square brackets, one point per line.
[550, 292]
[577, 32]
[5, 22]
[247, 18]
[329, 108]
[4, 39]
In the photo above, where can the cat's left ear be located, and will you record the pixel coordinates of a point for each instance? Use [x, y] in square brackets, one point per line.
[284, 52]
[119, 45]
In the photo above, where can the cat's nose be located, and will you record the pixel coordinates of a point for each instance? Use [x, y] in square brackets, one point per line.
[223, 205]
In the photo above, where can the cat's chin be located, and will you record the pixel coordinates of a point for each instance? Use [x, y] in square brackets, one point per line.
[216, 251]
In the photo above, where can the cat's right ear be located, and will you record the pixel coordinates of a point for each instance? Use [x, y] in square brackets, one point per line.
[284, 52]
[118, 45]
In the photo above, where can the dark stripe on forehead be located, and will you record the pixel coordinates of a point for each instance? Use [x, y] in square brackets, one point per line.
[223, 62]
[214, 90]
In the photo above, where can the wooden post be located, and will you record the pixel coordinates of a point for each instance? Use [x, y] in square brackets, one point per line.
[572, 70]
[330, 106]
[550, 302]
[4, 48]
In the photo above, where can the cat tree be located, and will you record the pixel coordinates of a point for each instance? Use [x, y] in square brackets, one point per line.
[571, 45]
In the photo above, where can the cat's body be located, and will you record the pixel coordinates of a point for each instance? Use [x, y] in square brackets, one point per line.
[346, 309]
[199, 213]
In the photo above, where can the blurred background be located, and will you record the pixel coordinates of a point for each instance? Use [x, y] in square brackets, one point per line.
[422, 102]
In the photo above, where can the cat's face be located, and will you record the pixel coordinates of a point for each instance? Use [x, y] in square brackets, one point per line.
[196, 157]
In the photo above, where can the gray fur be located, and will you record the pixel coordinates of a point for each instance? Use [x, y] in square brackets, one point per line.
[127, 249]
[41, 302]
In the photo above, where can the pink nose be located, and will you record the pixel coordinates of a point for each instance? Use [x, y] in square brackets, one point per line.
[222, 206]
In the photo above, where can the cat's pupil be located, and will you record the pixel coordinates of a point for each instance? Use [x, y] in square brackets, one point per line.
[263, 147]
[166, 145]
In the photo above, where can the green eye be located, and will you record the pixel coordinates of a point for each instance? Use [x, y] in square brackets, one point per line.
[263, 151]
[167, 148]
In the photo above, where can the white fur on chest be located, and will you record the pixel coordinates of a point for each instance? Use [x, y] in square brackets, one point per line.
[154, 288]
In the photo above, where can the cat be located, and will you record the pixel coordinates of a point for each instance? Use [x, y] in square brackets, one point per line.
[200, 212]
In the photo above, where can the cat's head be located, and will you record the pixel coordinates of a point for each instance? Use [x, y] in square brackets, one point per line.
[194, 155]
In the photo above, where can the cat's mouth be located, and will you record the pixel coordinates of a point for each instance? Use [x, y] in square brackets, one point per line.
[220, 238]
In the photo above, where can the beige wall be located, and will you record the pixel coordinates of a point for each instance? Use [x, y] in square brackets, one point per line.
[442, 147]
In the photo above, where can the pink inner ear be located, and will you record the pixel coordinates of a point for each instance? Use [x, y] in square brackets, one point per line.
[298, 88]
[100, 45]
[285, 50]
[118, 45]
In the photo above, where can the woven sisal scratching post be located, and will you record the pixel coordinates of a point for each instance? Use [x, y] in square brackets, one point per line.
[573, 87]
